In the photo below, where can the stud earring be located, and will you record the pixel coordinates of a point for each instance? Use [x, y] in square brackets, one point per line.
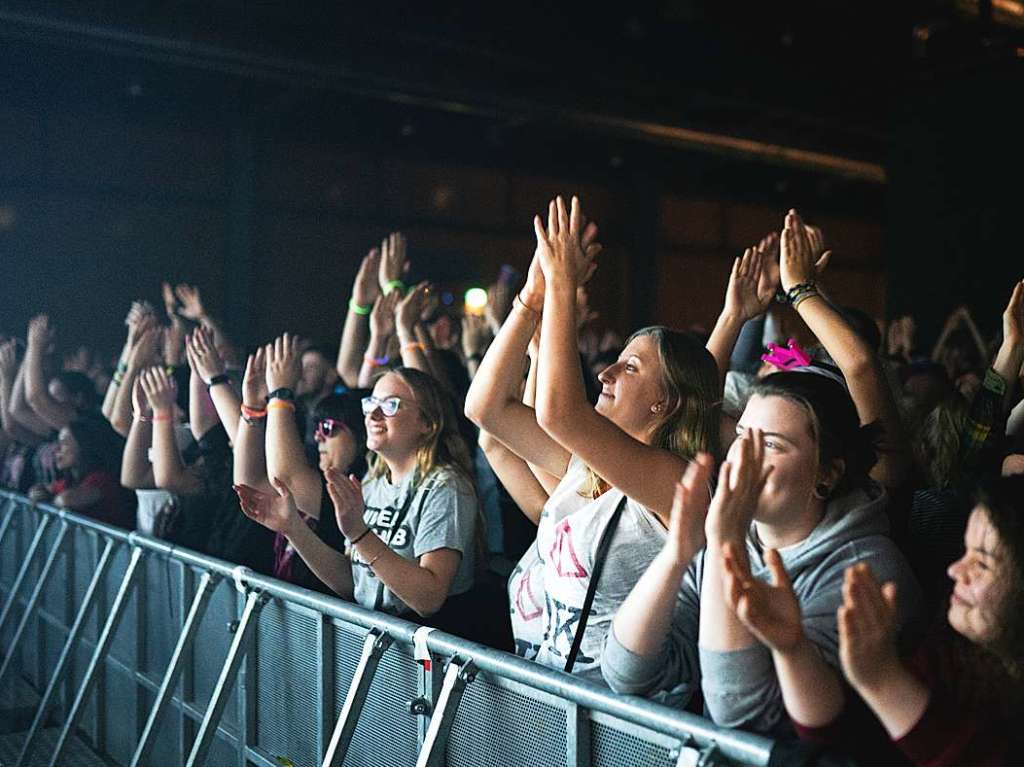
[821, 491]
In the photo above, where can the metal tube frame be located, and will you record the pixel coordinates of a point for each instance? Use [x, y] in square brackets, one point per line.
[207, 584]
[30, 555]
[715, 743]
[435, 745]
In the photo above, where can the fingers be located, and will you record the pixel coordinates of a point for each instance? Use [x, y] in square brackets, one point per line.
[575, 217]
[589, 235]
[822, 263]
[779, 575]
[280, 487]
[552, 220]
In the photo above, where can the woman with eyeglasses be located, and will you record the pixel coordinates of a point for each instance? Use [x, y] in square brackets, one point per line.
[270, 459]
[411, 524]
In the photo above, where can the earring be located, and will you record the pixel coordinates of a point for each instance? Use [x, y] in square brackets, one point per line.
[821, 491]
[657, 408]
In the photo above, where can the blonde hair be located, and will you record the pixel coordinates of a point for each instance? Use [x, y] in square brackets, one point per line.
[443, 445]
[689, 377]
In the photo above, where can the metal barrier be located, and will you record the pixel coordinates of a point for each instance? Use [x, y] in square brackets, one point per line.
[149, 654]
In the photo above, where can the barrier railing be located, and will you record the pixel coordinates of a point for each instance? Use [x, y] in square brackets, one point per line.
[151, 654]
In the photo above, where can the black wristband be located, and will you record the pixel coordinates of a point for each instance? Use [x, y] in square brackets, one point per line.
[475, 357]
[223, 378]
[286, 394]
[360, 537]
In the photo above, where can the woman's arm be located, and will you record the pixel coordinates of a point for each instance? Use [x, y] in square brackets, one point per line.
[424, 584]
[206, 362]
[493, 404]
[8, 372]
[515, 475]
[77, 497]
[644, 473]
[202, 415]
[169, 473]
[55, 414]
[134, 321]
[356, 330]
[382, 327]
[547, 480]
[286, 457]
[250, 464]
[136, 470]
[144, 353]
[21, 413]
[858, 362]
[407, 316]
[646, 649]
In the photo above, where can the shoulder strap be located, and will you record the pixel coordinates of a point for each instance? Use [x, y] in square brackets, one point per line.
[595, 576]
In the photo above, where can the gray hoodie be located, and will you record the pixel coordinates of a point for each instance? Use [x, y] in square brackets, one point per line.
[740, 687]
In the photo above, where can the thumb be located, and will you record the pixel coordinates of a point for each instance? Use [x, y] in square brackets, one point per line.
[779, 575]
[281, 487]
[356, 484]
[822, 263]
[889, 595]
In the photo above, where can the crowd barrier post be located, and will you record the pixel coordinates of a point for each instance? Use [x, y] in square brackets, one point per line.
[460, 672]
[240, 645]
[99, 654]
[37, 593]
[207, 583]
[30, 555]
[374, 645]
[67, 651]
[9, 505]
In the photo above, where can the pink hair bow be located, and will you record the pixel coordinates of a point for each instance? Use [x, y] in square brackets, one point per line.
[787, 358]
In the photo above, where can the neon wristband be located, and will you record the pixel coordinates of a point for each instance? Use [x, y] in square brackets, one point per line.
[161, 417]
[392, 284]
[362, 311]
[281, 404]
[413, 345]
[376, 362]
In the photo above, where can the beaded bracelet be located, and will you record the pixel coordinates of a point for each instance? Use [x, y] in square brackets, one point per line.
[803, 296]
[362, 311]
[799, 288]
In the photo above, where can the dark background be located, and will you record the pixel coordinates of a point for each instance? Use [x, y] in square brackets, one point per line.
[259, 151]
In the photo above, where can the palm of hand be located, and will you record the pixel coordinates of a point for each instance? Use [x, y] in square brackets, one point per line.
[772, 613]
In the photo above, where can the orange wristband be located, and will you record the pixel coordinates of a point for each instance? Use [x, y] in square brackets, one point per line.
[412, 345]
[281, 404]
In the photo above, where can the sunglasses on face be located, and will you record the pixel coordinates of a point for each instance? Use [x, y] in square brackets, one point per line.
[388, 406]
[330, 427]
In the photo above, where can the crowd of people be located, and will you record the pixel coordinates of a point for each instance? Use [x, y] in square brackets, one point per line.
[795, 524]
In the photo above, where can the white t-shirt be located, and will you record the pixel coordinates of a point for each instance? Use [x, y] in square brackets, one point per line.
[549, 585]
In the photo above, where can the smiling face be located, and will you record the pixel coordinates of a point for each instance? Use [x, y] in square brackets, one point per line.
[792, 452]
[337, 451]
[980, 579]
[632, 396]
[399, 436]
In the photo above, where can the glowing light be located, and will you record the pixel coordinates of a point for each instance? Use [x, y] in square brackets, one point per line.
[476, 300]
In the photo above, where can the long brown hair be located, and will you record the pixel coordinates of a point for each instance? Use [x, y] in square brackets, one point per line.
[689, 378]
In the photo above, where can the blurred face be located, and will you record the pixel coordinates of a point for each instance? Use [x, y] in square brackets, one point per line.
[791, 451]
[336, 445]
[314, 373]
[979, 583]
[67, 450]
[631, 392]
[396, 436]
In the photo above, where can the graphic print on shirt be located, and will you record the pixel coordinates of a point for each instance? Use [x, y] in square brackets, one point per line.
[563, 622]
[525, 611]
[388, 525]
[563, 553]
[525, 602]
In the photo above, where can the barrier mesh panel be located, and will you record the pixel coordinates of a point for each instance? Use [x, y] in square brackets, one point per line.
[286, 710]
[166, 749]
[213, 639]
[120, 716]
[498, 727]
[163, 614]
[611, 747]
[55, 591]
[123, 647]
[386, 733]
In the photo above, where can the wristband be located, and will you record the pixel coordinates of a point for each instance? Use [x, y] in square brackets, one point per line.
[376, 362]
[413, 345]
[523, 304]
[282, 394]
[391, 285]
[122, 368]
[803, 296]
[281, 404]
[359, 537]
[799, 288]
[477, 357]
[253, 412]
[118, 378]
[143, 418]
[161, 417]
[223, 378]
[362, 311]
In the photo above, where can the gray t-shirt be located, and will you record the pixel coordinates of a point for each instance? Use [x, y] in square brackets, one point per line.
[414, 518]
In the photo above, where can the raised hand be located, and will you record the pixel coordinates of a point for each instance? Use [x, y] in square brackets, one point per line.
[431, 300]
[254, 382]
[8, 359]
[771, 611]
[170, 301]
[382, 317]
[799, 262]
[475, 335]
[560, 246]
[284, 363]
[160, 390]
[689, 510]
[40, 334]
[393, 261]
[1013, 316]
[346, 494]
[80, 360]
[740, 481]
[191, 302]
[140, 403]
[584, 314]
[867, 628]
[365, 287]
[203, 356]
[275, 511]
[409, 308]
[748, 294]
